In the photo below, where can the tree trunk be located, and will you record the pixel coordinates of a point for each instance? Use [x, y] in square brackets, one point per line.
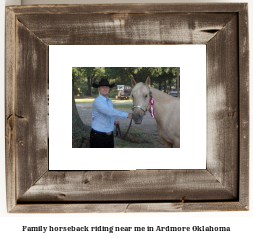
[89, 82]
[178, 83]
[78, 85]
[80, 131]
[160, 86]
[164, 85]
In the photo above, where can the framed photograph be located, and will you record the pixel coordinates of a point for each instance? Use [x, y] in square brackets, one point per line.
[44, 43]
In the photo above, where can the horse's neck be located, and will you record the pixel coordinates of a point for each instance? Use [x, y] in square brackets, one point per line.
[159, 102]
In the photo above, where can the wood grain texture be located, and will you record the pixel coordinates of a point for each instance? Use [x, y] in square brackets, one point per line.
[222, 107]
[129, 207]
[9, 109]
[30, 109]
[129, 8]
[140, 185]
[244, 106]
[222, 187]
[186, 207]
[118, 29]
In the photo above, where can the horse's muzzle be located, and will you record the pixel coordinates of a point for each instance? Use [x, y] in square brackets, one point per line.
[137, 118]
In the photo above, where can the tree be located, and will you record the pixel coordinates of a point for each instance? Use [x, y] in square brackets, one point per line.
[121, 75]
[78, 80]
[92, 73]
[80, 131]
[84, 77]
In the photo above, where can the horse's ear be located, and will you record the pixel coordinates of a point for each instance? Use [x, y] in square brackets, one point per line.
[147, 83]
[133, 82]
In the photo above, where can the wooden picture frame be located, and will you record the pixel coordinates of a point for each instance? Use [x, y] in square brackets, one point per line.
[222, 186]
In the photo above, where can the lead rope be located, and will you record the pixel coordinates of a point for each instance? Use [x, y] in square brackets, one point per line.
[118, 131]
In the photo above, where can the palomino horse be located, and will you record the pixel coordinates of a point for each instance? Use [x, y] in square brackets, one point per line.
[163, 107]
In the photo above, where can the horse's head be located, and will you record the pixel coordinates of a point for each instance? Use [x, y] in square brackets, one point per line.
[140, 95]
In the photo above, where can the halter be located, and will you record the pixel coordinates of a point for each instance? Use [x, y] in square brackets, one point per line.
[151, 102]
[140, 108]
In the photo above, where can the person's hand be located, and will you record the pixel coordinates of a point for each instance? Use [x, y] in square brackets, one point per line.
[130, 115]
[116, 123]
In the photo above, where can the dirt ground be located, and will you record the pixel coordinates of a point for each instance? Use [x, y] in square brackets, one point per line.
[143, 135]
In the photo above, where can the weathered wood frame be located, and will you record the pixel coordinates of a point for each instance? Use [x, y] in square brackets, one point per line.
[223, 186]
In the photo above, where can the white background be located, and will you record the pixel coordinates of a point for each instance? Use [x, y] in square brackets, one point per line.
[11, 224]
[190, 155]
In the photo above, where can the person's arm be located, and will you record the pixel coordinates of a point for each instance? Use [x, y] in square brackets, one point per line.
[110, 111]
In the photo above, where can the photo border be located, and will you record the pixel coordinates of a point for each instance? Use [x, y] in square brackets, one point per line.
[63, 57]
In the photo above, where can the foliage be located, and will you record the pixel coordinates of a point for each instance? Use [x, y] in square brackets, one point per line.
[163, 78]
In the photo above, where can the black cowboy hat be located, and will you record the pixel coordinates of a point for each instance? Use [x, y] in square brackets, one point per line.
[103, 82]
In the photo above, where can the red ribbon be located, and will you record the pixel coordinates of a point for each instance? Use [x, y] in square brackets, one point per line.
[152, 102]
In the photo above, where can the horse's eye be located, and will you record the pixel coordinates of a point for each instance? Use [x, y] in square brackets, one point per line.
[146, 95]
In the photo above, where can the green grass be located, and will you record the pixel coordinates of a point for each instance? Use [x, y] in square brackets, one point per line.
[120, 101]
[84, 100]
[123, 107]
[89, 100]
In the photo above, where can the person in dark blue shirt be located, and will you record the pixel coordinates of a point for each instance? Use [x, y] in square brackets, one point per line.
[104, 117]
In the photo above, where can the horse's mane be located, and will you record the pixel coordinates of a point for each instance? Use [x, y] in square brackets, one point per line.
[159, 95]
